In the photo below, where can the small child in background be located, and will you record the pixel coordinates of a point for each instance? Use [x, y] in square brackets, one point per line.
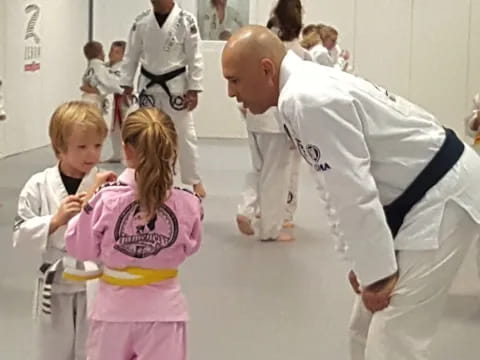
[472, 128]
[339, 57]
[98, 81]
[119, 108]
[3, 114]
[265, 209]
[141, 229]
[313, 41]
[472, 123]
[47, 202]
[321, 41]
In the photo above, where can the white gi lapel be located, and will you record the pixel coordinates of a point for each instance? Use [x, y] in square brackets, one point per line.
[164, 36]
[58, 188]
[88, 181]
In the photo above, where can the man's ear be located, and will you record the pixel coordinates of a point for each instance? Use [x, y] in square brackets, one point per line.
[268, 67]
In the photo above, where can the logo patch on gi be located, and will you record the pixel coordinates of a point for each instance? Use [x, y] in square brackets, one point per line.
[311, 153]
[146, 100]
[137, 239]
[88, 209]
[177, 102]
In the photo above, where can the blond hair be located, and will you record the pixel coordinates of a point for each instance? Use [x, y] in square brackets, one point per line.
[70, 115]
[310, 40]
[327, 32]
[308, 29]
[151, 134]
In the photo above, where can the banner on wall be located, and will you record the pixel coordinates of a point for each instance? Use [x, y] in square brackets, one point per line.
[32, 40]
[219, 19]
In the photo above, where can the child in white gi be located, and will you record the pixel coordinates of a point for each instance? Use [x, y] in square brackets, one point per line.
[269, 200]
[3, 114]
[264, 208]
[472, 127]
[47, 202]
[98, 76]
[119, 108]
[321, 41]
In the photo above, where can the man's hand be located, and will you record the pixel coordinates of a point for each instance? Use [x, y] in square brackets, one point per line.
[69, 207]
[376, 297]
[354, 282]
[127, 95]
[89, 89]
[191, 99]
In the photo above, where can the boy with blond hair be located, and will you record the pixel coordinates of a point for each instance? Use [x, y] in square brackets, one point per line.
[47, 202]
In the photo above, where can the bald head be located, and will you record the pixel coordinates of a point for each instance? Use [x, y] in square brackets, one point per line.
[251, 62]
[255, 42]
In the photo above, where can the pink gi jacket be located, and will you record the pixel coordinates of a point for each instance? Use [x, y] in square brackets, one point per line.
[110, 231]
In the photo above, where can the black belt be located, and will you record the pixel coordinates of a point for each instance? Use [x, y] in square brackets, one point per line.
[176, 102]
[448, 155]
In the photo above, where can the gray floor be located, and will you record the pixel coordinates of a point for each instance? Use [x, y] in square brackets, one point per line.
[248, 300]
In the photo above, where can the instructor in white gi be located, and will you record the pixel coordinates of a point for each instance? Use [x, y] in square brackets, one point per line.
[166, 43]
[402, 192]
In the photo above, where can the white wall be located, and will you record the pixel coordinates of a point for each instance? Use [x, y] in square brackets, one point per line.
[32, 97]
[474, 52]
[438, 74]
[390, 64]
[425, 50]
[2, 71]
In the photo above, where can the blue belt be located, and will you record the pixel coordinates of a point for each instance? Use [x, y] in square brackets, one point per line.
[448, 155]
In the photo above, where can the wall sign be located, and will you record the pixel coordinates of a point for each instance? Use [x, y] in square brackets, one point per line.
[33, 43]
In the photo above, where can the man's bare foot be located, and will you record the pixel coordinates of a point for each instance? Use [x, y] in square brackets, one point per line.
[199, 190]
[284, 236]
[244, 225]
[288, 225]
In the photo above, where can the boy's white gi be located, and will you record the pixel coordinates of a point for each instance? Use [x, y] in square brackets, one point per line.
[61, 335]
[100, 77]
[117, 112]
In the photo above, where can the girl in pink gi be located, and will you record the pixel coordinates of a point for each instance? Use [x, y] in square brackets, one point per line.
[141, 229]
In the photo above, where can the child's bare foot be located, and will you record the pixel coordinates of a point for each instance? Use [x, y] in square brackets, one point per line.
[288, 225]
[244, 225]
[199, 190]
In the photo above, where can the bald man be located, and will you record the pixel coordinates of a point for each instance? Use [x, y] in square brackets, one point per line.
[402, 192]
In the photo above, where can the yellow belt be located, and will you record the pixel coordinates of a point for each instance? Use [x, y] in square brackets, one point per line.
[131, 276]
